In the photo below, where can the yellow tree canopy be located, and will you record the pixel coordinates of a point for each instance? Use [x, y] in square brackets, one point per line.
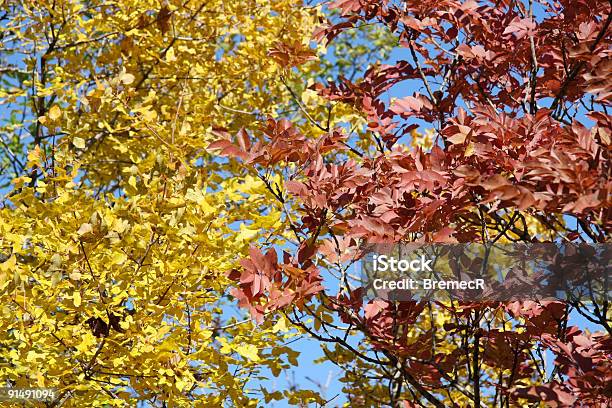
[117, 227]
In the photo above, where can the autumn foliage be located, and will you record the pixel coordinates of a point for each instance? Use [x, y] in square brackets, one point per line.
[117, 227]
[517, 95]
[167, 166]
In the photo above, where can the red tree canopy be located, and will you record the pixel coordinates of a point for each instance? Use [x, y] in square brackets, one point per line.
[517, 95]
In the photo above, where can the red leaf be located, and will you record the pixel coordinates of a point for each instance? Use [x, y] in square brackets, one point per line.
[228, 149]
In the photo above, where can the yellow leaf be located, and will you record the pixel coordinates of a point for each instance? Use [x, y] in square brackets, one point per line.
[9, 264]
[76, 275]
[149, 115]
[78, 142]
[55, 112]
[76, 299]
[87, 340]
[281, 325]
[132, 181]
[34, 156]
[246, 234]
[170, 57]
[84, 229]
[119, 258]
[469, 150]
[126, 78]
[248, 351]
[180, 384]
